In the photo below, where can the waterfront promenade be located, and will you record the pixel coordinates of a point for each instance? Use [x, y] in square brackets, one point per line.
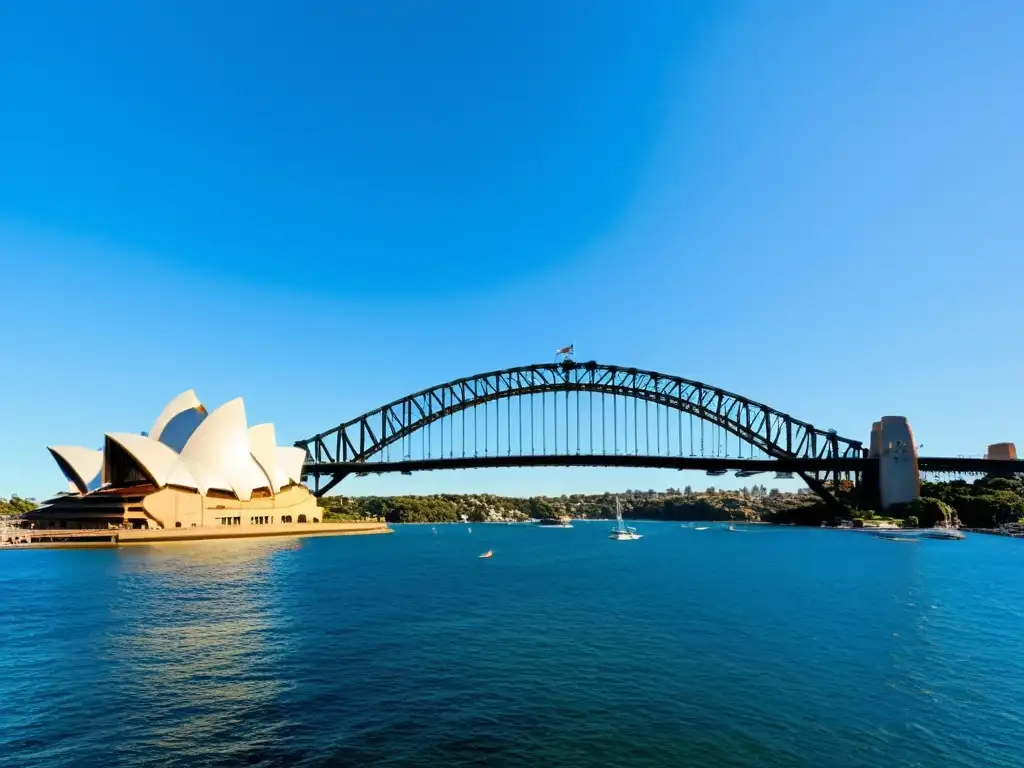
[68, 538]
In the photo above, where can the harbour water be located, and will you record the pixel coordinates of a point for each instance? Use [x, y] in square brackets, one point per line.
[763, 647]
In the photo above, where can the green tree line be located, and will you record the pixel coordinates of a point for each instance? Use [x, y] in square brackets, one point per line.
[986, 503]
[15, 506]
[746, 504]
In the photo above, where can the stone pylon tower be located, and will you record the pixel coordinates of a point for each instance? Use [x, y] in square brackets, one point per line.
[892, 443]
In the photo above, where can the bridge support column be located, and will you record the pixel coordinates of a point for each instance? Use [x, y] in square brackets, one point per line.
[1002, 451]
[868, 489]
[899, 480]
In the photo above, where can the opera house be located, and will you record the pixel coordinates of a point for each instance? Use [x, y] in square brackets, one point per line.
[193, 475]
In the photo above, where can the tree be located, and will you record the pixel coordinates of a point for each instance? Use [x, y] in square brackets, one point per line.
[374, 507]
[541, 508]
[16, 505]
[926, 511]
[688, 490]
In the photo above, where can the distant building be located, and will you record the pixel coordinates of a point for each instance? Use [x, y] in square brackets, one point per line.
[193, 469]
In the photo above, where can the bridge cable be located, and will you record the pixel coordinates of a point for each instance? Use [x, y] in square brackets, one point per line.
[615, 423]
[520, 399]
[647, 427]
[567, 421]
[508, 424]
[668, 431]
[577, 422]
[636, 408]
[680, 433]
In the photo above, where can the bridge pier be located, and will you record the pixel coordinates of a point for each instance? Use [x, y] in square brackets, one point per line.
[1002, 452]
[898, 479]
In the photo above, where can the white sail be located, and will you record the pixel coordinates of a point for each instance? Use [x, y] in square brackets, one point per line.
[622, 532]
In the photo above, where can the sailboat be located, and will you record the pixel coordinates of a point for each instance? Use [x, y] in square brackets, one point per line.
[622, 532]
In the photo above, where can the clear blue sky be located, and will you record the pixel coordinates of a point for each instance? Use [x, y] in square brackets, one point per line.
[324, 206]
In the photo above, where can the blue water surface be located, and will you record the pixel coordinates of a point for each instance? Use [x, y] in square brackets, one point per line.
[764, 647]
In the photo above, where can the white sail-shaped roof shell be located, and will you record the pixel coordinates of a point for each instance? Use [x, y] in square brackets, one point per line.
[289, 462]
[220, 446]
[162, 464]
[263, 447]
[189, 448]
[179, 429]
[186, 401]
[81, 466]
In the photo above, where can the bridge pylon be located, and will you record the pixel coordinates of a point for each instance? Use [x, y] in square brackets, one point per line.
[898, 478]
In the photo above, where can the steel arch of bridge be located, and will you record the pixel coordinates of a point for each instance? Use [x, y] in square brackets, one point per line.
[777, 434]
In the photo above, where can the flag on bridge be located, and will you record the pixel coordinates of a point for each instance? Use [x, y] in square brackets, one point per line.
[565, 350]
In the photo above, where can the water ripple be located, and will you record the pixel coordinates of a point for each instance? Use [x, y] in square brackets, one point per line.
[790, 648]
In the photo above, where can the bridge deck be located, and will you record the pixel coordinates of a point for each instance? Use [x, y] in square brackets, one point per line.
[926, 464]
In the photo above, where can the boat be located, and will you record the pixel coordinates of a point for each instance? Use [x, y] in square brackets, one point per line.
[488, 553]
[702, 528]
[942, 532]
[897, 535]
[556, 522]
[622, 532]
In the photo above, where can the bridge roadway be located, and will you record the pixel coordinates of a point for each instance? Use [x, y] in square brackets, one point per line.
[953, 464]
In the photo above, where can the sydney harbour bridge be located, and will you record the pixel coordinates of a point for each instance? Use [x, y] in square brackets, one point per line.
[572, 413]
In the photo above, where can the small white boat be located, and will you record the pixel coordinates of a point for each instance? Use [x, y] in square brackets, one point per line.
[942, 532]
[899, 538]
[556, 522]
[622, 532]
[702, 528]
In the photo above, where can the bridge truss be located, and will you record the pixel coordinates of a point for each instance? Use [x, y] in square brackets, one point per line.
[531, 415]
